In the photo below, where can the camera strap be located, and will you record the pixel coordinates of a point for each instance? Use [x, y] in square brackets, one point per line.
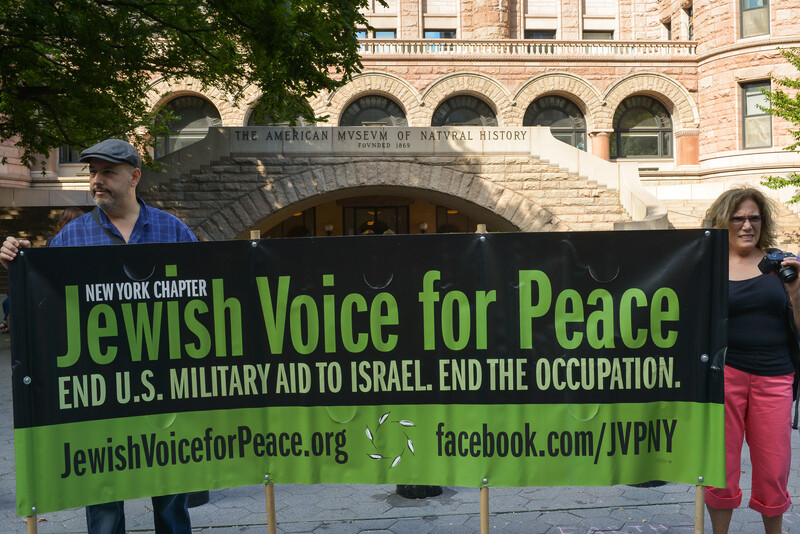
[114, 237]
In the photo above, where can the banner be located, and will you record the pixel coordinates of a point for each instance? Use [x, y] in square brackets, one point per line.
[500, 359]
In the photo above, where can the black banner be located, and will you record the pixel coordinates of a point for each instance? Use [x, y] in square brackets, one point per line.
[117, 331]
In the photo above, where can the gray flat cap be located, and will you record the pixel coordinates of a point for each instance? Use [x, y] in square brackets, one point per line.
[115, 150]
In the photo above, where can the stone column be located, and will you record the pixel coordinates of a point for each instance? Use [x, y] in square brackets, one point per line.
[515, 19]
[600, 143]
[571, 20]
[687, 147]
[410, 19]
[488, 19]
[626, 21]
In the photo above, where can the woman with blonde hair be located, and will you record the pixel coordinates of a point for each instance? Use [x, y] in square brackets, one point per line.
[759, 370]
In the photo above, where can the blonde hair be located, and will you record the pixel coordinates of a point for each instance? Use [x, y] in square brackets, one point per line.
[721, 210]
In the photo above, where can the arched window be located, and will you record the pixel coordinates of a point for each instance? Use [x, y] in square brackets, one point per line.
[373, 110]
[642, 128]
[464, 110]
[564, 118]
[258, 117]
[195, 116]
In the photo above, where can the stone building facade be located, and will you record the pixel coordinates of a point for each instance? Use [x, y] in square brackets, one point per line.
[664, 93]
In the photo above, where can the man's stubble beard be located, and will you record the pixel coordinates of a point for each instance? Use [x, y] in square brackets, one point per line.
[111, 199]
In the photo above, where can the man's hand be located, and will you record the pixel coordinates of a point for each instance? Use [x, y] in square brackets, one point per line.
[10, 249]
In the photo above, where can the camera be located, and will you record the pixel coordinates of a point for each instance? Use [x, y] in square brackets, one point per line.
[771, 262]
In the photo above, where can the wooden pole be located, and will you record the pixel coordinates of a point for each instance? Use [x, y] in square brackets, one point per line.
[699, 512]
[32, 524]
[255, 234]
[272, 522]
[484, 510]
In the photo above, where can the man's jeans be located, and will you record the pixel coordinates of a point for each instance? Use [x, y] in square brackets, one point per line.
[170, 515]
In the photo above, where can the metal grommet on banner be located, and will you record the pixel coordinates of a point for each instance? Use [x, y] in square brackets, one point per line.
[485, 481]
[708, 233]
[33, 509]
[266, 478]
[254, 244]
[26, 380]
[700, 479]
[704, 358]
[21, 252]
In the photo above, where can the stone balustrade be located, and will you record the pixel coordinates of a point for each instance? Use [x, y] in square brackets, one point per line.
[526, 49]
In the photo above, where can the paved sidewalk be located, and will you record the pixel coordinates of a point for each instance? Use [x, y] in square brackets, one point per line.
[345, 509]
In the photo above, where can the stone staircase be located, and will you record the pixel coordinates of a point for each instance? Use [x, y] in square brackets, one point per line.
[684, 214]
[579, 203]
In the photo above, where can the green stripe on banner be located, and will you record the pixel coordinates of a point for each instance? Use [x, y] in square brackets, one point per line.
[509, 445]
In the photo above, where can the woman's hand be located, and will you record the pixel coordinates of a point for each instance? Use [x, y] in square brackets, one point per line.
[794, 263]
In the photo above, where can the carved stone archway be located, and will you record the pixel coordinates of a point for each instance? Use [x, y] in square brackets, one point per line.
[662, 88]
[289, 192]
[376, 83]
[469, 83]
[254, 177]
[678, 101]
[570, 86]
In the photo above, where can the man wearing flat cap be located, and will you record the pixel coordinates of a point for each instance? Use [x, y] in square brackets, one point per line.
[115, 168]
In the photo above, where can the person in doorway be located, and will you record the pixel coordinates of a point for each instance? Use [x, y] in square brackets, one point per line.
[121, 217]
[763, 316]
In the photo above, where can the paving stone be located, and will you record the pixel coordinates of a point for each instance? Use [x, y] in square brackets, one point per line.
[413, 526]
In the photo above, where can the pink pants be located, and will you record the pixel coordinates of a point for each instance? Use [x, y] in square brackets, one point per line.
[758, 408]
